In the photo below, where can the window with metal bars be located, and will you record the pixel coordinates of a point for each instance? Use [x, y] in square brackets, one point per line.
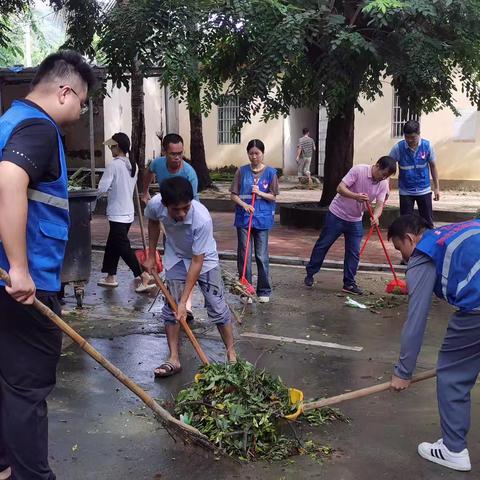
[228, 114]
[400, 116]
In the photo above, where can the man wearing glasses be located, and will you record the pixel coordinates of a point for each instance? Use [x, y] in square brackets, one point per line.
[171, 165]
[34, 223]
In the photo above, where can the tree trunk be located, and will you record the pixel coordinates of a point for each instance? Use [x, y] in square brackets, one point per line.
[197, 147]
[137, 150]
[338, 151]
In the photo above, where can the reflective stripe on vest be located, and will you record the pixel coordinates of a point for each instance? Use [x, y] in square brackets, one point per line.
[411, 167]
[448, 259]
[52, 200]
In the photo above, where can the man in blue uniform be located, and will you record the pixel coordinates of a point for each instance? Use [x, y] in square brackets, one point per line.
[34, 224]
[416, 160]
[444, 261]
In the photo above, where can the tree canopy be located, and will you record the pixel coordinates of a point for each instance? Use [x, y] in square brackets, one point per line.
[280, 54]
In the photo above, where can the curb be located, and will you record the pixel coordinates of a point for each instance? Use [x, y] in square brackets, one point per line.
[297, 261]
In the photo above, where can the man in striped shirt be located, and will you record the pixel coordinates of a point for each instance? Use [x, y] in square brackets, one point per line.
[305, 149]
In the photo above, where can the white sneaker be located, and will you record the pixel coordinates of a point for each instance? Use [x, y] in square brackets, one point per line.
[145, 288]
[438, 453]
[5, 474]
[263, 299]
[246, 299]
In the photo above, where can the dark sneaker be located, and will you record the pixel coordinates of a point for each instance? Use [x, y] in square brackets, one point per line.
[352, 289]
[308, 281]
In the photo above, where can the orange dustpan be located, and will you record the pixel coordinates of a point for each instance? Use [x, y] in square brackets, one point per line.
[396, 285]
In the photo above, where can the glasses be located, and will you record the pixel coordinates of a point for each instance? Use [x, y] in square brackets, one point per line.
[83, 106]
[175, 154]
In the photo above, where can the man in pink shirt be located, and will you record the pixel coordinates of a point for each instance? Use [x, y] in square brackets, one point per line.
[363, 183]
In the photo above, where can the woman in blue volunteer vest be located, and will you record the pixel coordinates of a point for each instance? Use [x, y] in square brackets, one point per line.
[260, 180]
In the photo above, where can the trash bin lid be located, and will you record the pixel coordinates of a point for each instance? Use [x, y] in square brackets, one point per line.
[87, 194]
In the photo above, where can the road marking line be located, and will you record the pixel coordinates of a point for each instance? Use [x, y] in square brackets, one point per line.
[315, 343]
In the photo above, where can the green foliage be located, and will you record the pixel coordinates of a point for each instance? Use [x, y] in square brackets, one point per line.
[280, 54]
[83, 19]
[223, 174]
[277, 54]
[239, 409]
[44, 39]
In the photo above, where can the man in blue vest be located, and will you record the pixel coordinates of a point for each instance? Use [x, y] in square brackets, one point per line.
[34, 222]
[444, 261]
[416, 160]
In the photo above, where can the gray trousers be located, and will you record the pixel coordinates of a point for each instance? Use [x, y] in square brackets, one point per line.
[457, 370]
[211, 285]
[304, 166]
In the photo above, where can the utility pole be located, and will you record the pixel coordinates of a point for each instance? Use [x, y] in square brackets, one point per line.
[27, 57]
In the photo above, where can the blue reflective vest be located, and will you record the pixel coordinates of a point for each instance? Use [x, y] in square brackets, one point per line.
[48, 217]
[455, 250]
[414, 171]
[264, 215]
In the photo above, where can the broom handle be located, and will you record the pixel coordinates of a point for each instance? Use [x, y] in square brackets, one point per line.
[363, 392]
[379, 233]
[248, 238]
[183, 323]
[100, 359]
[367, 238]
[140, 217]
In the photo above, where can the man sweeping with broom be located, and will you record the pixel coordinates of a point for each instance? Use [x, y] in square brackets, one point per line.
[190, 257]
[362, 184]
[444, 261]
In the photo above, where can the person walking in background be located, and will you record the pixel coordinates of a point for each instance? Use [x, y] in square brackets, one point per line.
[305, 149]
[119, 181]
[169, 166]
[34, 223]
[363, 183]
[416, 161]
[261, 180]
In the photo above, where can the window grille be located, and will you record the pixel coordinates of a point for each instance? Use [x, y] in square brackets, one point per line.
[228, 114]
[400, 116]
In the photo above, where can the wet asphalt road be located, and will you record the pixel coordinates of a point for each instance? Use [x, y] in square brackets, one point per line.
[99, 430]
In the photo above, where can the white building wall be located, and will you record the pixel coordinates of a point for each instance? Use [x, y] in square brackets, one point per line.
[118, 115]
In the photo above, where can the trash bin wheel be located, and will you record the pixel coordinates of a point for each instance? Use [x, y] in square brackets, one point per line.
[79, 294]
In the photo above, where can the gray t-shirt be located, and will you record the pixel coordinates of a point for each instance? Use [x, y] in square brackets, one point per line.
[307, 144]
[421, 277]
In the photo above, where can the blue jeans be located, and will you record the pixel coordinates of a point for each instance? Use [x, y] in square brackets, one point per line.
[259, 241]
[333, 228]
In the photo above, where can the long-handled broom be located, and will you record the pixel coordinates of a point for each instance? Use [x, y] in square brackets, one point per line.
[188, 433]
[396, 285]
[142, 255]
[183, 323]
[243, 280]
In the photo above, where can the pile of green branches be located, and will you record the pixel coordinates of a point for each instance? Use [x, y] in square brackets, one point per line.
[241, 409]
